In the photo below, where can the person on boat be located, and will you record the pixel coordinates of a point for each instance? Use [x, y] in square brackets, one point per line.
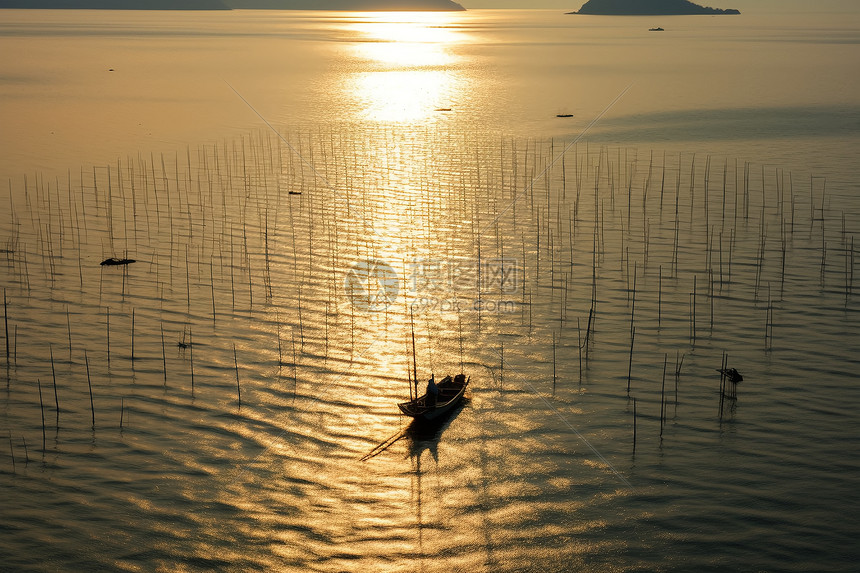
[432, 392]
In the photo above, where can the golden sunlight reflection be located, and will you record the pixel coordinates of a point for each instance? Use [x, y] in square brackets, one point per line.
[410, 56]
[407, 96]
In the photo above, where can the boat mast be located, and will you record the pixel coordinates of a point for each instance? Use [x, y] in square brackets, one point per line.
[409, 377]
[414, 358]
[460, 324]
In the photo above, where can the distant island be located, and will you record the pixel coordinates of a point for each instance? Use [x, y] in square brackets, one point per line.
[647, 8]
[351, 5]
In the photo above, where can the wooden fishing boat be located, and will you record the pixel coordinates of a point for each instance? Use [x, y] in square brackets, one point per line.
[451, 391]
[113, 261]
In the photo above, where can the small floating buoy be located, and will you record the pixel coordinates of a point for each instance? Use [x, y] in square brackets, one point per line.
[731, 374]
[110, 70]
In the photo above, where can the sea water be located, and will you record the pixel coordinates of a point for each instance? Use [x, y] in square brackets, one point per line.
[304, 191]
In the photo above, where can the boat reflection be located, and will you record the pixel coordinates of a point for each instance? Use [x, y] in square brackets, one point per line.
[420, 434]
[424, 435]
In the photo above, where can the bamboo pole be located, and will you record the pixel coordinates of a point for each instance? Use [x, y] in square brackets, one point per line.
[90, 386]
[6, 323]
[634, 426]
[663, 395]
[191, 356]
[236, 366]
[54, 377]
[107, 330]
[163, 355]
[132, 336]
[630, 361]
[42, 410]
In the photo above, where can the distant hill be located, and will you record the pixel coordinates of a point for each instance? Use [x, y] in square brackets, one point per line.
[115, 4]
[647, 8]
[358, 5]
[412, 5]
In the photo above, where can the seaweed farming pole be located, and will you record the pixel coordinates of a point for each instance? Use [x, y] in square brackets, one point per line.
[502, 365]
[633, 305]
[132, 337]
[711, 297]
[54, 376]
[663, 395]
[191, 356]
[768, 322]
[107, 330]
[212, 289]
[236, 366]
[553, 362]
[6, 323]
[723, 365]
[630, 361]
[693, 310]
[12, 453]
[69, 330]
[163, 355]
[579, 340]
[42, 409]
[90, 385]
[634, 426]
[659, 294]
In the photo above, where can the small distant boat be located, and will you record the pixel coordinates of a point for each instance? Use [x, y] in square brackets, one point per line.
[443, 109]
[451, 391]
[295, 192]
[113, 261]
[657, 29]
[564, 115]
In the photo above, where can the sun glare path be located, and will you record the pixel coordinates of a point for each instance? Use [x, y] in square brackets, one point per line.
[411, 56]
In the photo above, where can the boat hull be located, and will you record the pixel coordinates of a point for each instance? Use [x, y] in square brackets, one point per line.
[451, 391]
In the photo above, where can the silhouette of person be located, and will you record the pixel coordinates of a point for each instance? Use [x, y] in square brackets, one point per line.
[432, 392]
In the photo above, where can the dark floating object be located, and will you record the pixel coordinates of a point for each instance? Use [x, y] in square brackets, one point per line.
[731, 374]
[443, 109]
[657, 29]
[295, 192]
[110, 70]
[451, 391]
[564, 115]
[113, 261]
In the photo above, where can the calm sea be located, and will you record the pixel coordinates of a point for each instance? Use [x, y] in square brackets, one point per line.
[304, 191]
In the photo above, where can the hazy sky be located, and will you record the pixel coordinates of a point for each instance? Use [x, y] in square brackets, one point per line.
[742, 5]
